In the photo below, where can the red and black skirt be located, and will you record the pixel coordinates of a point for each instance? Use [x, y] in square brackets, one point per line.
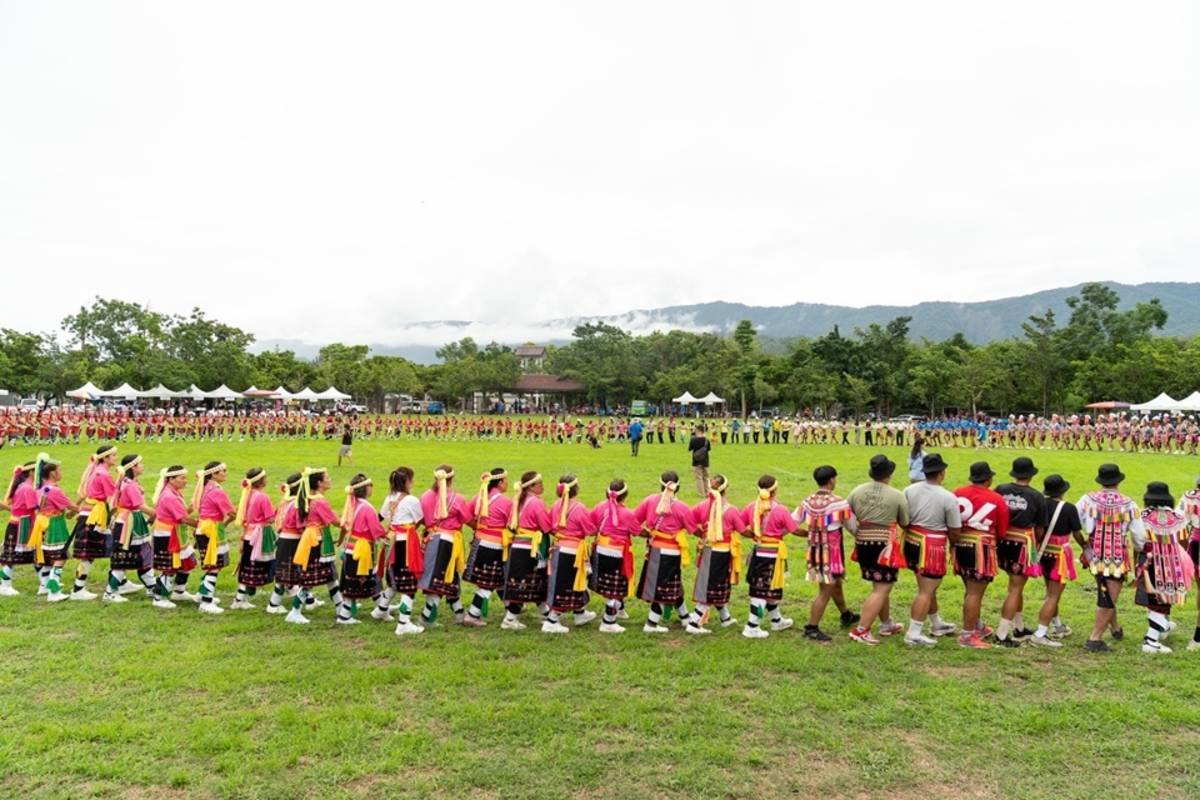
[251, 572]
[164, 559]
[485, 566]
[289, 573]
[608, 577]
[759, 576]
[355, 586]
[867, 555]
[661, 581]
[560, 593]
[10, 554]
[524, 580]
[400, 577]
[438, 552]
[712, 578]
[90, 542]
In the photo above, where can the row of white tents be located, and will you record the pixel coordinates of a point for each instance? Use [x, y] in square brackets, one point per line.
[687, 398]
[1164, 402]
[90, 391]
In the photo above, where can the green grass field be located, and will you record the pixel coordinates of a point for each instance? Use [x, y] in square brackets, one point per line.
[130, 701]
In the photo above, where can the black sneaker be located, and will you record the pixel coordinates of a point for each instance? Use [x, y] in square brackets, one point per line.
[1022, 634]
[849, 618]
[816, 634]
[1118, 634]
[1096, 646]
[1007, 643]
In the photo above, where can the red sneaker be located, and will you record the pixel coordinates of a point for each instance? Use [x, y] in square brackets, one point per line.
[974, 641]
[863, 636]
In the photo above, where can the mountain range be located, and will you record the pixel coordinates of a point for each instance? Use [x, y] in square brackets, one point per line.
[979, 322]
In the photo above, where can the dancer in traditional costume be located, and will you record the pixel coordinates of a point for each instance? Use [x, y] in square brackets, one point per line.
[1189, 506]
[49, 536]
[133, 547]
[933, 519]
[1017, 548]
[288, 574]
[173, 559]
[984, 522]
[721, 527]
[612, 560]
[567, 579]
[1109, 518]
[822, 518]
[316, 550]
[21, 500]
[1057, 562]
[666, 520]
[528, 552]
[1164, 571]
[360, 522]
[256, 518]
[485, 563]
[445, 513]
[405, 560]
[766, 575]
[92, 537]
[214, 512]
[881, 512]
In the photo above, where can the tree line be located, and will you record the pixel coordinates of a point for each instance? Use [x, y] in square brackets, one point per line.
[1099, 352]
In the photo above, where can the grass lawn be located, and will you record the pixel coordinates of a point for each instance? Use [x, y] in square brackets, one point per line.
[130, 701]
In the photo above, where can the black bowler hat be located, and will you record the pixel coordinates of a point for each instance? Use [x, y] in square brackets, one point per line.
[824, 474]
[1158, 494]
[1109, 475]
[933, 464]
[1023, 468]
[980, 472]
[1055, 486]
[881, 467]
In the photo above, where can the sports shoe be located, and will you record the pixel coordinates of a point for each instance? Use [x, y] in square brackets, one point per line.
[162, 602]
[973, 640]
[129, 587]
[782, 624]
[241, 605]
[349, 621]
[554, 627]
[113, 597]
[942, 629]
[850, 618]
[1022, 634]
[890, 629]
[405, 628]
[920, 640]
[1118, 634]
[313, 602]
[1154, 647]
[179, 597]
[984, 630]
[43, 590]
[459, 616]
[815, 634]
[1172, 625]
[1097, 646]
[696, 630]
[863, 636]
[725, 623]
[650, 627]
[382, 614]
[1010, 643]
[279, 609]
[611, 627]
[211, 608]
[56, 597]
[512, 625]
[472, 621]
[583, 618]
[622, 614]
[1060, 631]
[295, 617]
[1044, 641]
[83, 594]
[754, 633]
[7, 590]
[1193, 645]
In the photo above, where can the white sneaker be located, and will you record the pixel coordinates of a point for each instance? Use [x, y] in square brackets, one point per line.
[696, 630]
[512, 625]
[1060, 631]
[162, 602]
[408, 627]
[7, 590]
[382, 614]
[241, 605]
[56, 597]
[279, 609]
[754, 633]
[113, 597]
[43, 590]
[725, 623]
[942, 629]
[782, 625]
[1155, 648]
[314, 602]
[554, 627]
[1044, 641]
[180, 597]
[622, 614]
[348, 621]
[584, 618]
[1171, 626]
[211, 608]
[920, 640]
[129, 587]
[83, 594]
[611, 627]
[1193, 645]
[295, 617]
[650, 627]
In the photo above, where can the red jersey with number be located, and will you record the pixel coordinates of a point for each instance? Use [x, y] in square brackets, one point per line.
[983, 510]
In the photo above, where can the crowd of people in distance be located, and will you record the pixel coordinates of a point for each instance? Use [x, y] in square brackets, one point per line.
[526, 552]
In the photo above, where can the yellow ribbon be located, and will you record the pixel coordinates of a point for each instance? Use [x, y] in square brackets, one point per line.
[40, 523]
[581, 566]
[735, 558]
[780, 566]
[458, 561]
[209, 528]
[535, 539]
[506, 537]
[308, 540]
[362, 553]
[98, 515]
[685, 556]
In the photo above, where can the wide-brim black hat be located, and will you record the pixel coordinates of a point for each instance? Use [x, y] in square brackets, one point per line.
[1055, 485]
[1109, 475]
[1158, 494]
[933, 464]
[1023, 468]
[981, 471]
[882, 467]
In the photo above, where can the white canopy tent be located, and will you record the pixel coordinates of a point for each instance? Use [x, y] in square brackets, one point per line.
[223, 392]
[123, 392]
[160, 392]
[711, 399]
[685, 398]
[332, 394]
[283, 393]
[194, 392]
[89, 391]
[1164, 402]
[1190, 403]
[306, 394]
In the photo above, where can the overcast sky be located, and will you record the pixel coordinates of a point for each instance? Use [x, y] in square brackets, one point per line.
[334, 170]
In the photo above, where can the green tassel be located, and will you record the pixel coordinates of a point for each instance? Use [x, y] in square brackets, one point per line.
[483, 607]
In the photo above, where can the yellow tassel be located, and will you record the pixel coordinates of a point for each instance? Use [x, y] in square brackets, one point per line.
[458, 561]
[362, 556]
[777, 576]
[581, 565]
[308, 540]
[685, 556]
[243, 503]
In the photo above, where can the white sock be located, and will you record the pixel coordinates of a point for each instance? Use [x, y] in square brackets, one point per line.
[915, 628]
[1003, 628]
[1018, 622]
[935, 620]
[1041, 631]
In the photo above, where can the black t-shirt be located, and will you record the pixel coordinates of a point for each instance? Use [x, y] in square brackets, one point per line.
[347, 438]
[1026, 505]
[1068, 520]
[699, 447]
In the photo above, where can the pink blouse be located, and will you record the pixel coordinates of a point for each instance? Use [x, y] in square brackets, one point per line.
[579, 520]
[24, 500]
[259, 510]
[459, 512]
[534, 516]
[131, 496]
[170, 509]
[499, 509]
[678, 518]
[54, 500]
[618, 523]
[776, 523]
[365, 524]
[320, 513]
[214, 503]
[101, 486]
[732, 520]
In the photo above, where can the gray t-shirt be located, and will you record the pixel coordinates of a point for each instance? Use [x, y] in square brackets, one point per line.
[878, 504]
[932, 507]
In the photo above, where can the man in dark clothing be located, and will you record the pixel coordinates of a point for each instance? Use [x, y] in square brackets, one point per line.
[699, 446]
[1017, 549]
